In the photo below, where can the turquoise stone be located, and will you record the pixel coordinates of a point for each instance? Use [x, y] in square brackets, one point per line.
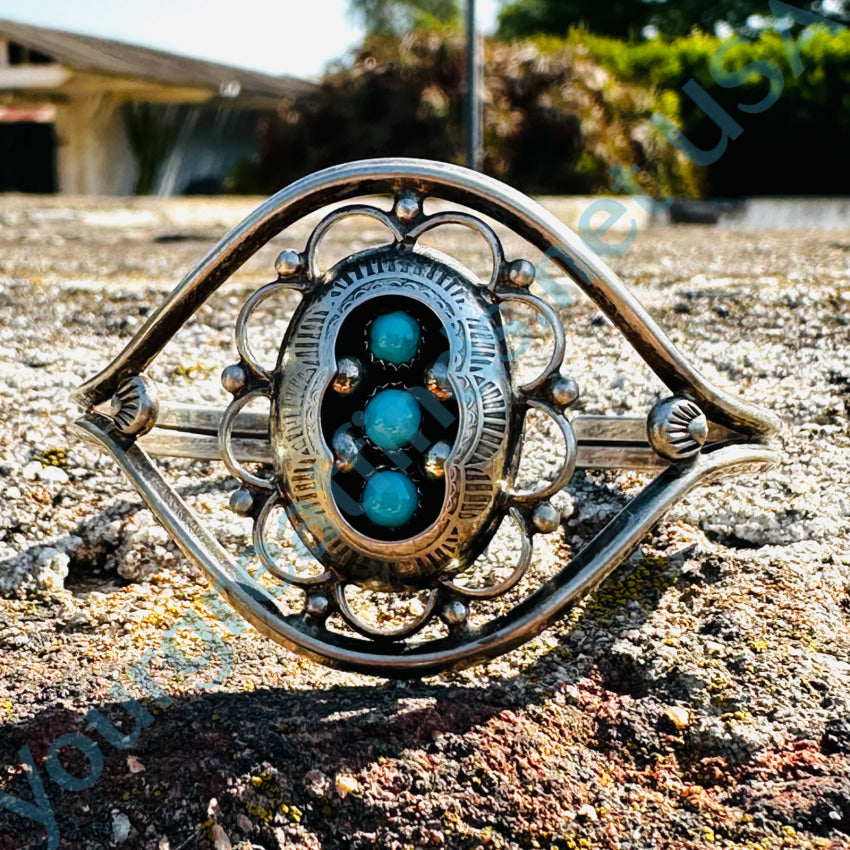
[390, 499]
[392, 419]
[394, 337]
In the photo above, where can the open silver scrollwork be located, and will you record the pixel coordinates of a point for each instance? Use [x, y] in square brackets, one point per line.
[394, 434]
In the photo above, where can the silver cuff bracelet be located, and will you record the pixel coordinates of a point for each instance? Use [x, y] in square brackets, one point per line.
[395, 425]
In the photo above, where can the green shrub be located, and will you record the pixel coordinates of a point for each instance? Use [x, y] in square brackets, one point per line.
[555, 120]
[797, 146]
[560, 112]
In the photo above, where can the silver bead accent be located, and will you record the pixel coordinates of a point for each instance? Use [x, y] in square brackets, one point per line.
[317, 606]
[134, 406]
[408, 207]
[349, 375]
[563, 390]
[234, 378]
[546, 518]
[676, 428]
[242, 501]
[521, 273]
[289, 263]
[435, 459]
[437, 381]
[454, 613]
[347, 447]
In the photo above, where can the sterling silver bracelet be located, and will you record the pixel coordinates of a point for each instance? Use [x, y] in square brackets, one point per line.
[394, 435]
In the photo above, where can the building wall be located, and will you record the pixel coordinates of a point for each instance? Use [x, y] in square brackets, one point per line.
[93, 154]
[209, 143]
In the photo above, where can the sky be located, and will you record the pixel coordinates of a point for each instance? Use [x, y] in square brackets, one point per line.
[295, 37]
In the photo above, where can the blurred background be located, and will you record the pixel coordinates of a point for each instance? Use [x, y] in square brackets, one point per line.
[183, 97]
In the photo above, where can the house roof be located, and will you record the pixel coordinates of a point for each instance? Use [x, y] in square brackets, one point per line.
[115, 58]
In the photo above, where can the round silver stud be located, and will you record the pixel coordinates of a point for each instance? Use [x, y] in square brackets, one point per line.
[677, 429]
[317, 606]
[521, 273]
[242, 501]
[437, 381]
[454, 613]
[288, 264]
[347, 447]
[234, 378]
[407, 207]
[546, 518]
[563, 390]
[435, 459]
[349, 375]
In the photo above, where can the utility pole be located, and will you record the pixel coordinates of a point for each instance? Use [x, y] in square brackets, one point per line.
[474, 104]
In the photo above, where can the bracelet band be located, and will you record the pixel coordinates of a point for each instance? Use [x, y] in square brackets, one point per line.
[603, 442]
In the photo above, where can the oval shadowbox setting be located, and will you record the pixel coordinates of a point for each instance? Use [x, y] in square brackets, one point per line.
[396, 414]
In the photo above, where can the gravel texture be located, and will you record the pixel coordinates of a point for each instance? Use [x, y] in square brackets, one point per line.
[701, 698]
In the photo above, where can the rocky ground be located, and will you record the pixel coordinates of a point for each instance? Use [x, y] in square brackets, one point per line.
[701, 698]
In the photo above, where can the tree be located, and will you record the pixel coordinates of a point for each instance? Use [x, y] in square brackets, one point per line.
[838, 10]
[396, 17]
[679, 17]
[523, 18]
[627, 18]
